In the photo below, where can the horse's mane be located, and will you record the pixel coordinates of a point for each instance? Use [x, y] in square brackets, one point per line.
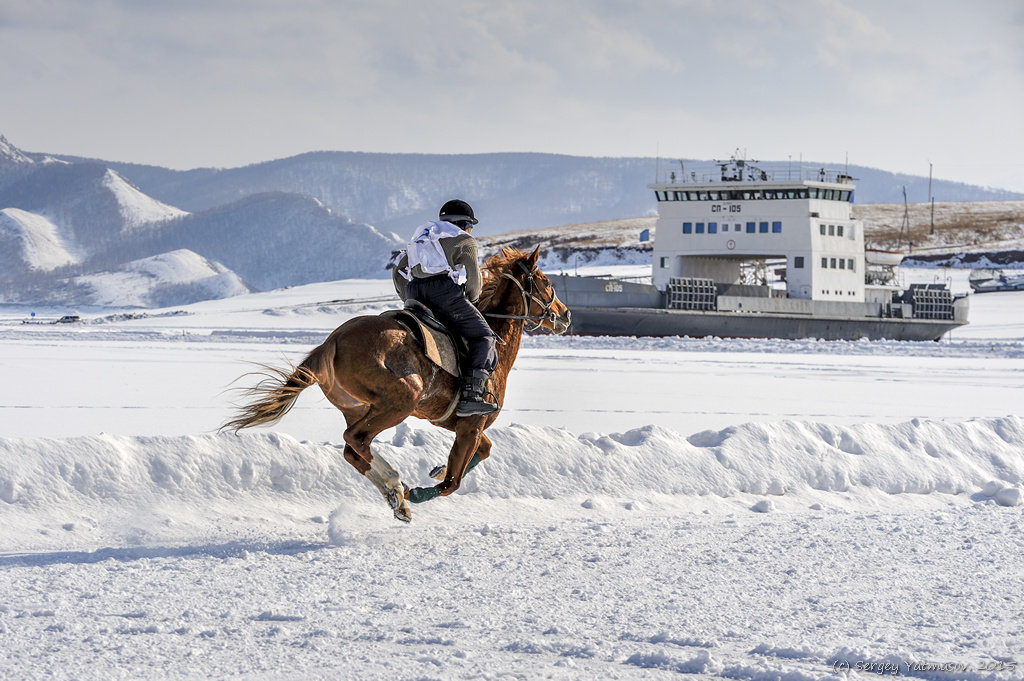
[492, 270]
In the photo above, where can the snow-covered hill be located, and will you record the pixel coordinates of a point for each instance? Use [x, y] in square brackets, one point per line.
[33, 241]
[176, 278]
[137, 209]
[325, 215]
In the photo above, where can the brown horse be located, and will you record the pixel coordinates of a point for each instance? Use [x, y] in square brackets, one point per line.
[375, 371]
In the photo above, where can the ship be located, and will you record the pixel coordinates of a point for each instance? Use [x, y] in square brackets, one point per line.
[988, 280]
[746, 250]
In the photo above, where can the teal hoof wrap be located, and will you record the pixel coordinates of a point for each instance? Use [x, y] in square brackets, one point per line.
[418, 495]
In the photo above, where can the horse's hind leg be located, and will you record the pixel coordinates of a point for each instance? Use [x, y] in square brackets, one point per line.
[358, 438]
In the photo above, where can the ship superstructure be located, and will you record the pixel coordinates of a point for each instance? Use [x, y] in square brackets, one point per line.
[748, 250]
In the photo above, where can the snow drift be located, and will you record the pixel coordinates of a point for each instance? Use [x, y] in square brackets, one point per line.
[119, 484]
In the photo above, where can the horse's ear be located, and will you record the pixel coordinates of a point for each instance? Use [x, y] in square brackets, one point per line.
[534, 257]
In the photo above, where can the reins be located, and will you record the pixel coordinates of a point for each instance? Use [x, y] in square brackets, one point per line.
[528, 297]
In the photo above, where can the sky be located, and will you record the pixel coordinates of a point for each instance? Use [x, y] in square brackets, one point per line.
[908, 86]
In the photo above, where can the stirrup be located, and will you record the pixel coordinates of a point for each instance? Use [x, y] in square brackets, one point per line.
[476, 407]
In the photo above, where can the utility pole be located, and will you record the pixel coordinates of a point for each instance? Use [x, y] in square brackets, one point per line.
[930, 197]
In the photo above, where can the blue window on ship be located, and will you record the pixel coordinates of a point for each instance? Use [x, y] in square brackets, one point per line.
[700, 228]
[712, 228]
[751, 227]
[687, 228]
[777, 227]
[763, 228]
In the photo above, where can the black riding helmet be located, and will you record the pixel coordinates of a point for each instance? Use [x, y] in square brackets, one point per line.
[457, 211]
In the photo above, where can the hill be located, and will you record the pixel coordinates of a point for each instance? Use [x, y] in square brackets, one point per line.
[330, 215]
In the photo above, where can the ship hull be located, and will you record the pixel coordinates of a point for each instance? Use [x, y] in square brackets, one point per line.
[603, 321]
[612, 307]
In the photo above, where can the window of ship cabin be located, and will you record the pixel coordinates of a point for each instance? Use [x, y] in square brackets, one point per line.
[751, 227]
[691, 196]
[700, 228]
[831, 230]
[839, 230]
[798, 262]
[777, 227]
[821, 228]
[832, 264]
[850, 264]
[824, 263]
[763, 228]
[830, 194]
[842, 263]
[812, 192]
[687, 228]
[664, 263]
[804, 194]
[844, 196]
[662, 196]
[680, 196]
[712, 228]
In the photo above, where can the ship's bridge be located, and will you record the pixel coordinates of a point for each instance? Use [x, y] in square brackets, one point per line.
[796, 222]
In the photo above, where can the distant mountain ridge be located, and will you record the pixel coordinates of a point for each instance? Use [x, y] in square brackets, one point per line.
[313, 217]
[510, 191]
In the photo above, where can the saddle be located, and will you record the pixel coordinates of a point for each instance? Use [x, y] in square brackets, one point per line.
[439, 344]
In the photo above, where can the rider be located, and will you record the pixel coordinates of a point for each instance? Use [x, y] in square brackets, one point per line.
[439, 269]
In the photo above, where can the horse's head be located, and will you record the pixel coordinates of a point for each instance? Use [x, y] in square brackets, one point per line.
[539, 304]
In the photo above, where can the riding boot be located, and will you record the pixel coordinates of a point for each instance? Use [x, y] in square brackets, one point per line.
[472, 402]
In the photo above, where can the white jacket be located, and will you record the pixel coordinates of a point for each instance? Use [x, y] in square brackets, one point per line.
[425, 251]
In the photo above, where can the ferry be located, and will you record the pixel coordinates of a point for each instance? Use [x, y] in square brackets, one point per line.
[745, 250]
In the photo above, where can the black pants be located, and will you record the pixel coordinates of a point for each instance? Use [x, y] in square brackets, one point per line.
[449, 304]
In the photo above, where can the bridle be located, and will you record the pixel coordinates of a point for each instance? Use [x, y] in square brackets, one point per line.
[546, 314]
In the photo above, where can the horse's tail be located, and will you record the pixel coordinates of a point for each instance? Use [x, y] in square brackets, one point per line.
[275, 395]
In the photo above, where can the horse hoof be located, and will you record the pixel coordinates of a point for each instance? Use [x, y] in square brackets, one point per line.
[398, 504]
[438, 472]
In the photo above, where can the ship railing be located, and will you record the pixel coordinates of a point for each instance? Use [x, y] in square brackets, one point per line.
[704, 173]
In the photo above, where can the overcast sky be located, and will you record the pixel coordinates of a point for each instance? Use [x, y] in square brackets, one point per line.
[892, 84]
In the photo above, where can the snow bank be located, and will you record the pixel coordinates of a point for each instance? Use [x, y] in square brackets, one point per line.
[53, 484]
[772, 459]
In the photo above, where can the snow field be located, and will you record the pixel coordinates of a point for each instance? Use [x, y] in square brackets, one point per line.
[748, 510]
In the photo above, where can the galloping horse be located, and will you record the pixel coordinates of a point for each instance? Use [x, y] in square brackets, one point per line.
[375, 371]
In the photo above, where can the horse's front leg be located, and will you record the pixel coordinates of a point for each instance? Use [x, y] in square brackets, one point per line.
[470, 447]
[483, 450]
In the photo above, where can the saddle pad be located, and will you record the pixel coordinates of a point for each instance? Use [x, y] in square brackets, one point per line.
[437, 346]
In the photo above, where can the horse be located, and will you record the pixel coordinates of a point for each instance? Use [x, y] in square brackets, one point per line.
[374, 370]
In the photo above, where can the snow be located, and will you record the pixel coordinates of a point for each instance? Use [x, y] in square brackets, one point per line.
[176, 277]
[136, 207]
[43, 247]
[736, 509]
